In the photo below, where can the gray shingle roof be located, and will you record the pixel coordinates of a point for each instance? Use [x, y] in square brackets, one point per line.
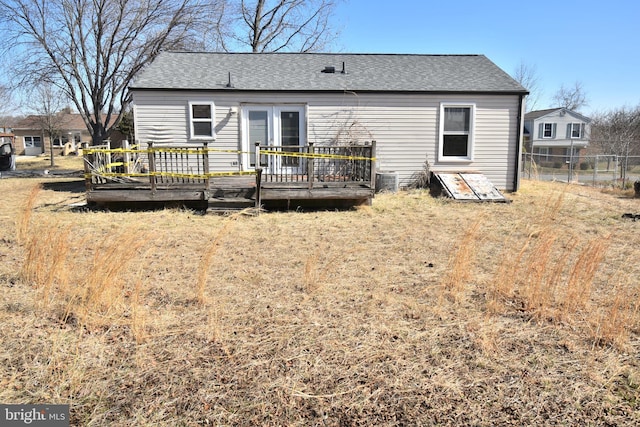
[303, 72]
[532, 115]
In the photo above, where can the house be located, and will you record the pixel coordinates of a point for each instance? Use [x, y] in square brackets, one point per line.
[556, 135]
[438, 113]
[32, 138]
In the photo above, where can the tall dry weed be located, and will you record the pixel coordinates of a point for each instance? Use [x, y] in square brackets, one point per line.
[24, 217]
[617, 315]
[207, 257]
[460, 267]
[580, 282]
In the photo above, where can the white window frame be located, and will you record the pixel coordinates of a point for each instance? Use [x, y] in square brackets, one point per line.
[470, 134]
[542, 153]
[544, 131]
[31, 142]
[210, 120]
[573, 126]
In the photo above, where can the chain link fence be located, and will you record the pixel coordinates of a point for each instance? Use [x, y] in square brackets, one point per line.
[598, 170]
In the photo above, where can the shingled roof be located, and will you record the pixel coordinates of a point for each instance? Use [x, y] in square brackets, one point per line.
[312, 72]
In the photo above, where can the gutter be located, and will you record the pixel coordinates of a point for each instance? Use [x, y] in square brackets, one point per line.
[516, 175]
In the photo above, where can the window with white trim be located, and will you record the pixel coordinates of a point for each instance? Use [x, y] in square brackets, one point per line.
[541, 154]
[201, 120]
[548, 130]
[575, 130]
[33, 141]
[456, 131]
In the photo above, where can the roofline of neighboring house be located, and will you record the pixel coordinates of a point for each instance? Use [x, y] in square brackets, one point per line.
[553, 110]
[336, 91]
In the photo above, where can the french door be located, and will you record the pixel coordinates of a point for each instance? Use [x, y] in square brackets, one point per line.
[281, 127]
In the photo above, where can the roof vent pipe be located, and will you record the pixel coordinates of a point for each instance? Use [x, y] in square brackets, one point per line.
[229, 85]
[344, 71]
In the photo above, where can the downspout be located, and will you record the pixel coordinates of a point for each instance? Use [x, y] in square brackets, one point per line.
[516, 175]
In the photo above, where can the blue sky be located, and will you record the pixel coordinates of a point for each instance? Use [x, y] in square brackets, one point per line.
[592, 42]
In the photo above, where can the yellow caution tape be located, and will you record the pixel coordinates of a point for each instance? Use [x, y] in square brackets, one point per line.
[314, 155]
[168, 174]
[218, 150]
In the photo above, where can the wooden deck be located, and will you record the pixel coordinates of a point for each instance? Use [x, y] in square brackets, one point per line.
[171, 175]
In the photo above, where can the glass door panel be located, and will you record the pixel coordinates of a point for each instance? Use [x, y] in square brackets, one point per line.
[258, 132]
[290, 137]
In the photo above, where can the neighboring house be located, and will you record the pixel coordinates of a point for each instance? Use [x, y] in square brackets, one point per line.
[551, 135]
[31, 139]
[453, 113]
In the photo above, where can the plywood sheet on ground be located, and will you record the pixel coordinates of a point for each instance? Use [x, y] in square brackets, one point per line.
[469, 187]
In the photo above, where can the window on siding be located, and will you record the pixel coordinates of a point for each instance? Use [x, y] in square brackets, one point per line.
[547, 130]
[201, 117]
[456, 131]
[574, 130]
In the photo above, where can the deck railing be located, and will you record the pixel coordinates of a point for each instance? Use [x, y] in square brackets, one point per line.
[318, 164]
[176, 165]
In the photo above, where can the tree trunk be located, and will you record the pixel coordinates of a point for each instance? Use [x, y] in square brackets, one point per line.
[53, 162]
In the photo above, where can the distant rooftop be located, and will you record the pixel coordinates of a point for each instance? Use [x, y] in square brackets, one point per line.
[326, 72]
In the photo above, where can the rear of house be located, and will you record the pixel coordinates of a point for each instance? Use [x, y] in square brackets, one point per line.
[458, 113]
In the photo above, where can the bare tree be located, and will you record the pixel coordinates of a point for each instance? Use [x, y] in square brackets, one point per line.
[571, 98]
[92, 49]
[278, 25]
[49, 102]
[617, 131]
[527, 76]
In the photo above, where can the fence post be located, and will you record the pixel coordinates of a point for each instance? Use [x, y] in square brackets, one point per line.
[205, 164]
[152, 166]
[310, 165]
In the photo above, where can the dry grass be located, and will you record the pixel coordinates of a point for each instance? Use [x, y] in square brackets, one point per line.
[414, 311]
[43, 162]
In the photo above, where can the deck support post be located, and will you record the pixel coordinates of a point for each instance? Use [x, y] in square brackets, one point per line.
[152, 167]
[126, 156]
[373, 164]
[205, 165]
[258, 186]
[88, 174]
[310, 161]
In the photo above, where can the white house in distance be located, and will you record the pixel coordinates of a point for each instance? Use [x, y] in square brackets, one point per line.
[551, 134]
[457, 112]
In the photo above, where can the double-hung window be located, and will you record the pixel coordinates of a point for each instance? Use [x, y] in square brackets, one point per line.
[456, 131]
[201, 120]
[547, 130]
[574, 130]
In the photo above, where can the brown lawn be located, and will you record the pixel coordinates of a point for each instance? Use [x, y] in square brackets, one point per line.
[414, 311]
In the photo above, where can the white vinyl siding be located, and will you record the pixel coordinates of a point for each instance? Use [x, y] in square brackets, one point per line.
[404, 126]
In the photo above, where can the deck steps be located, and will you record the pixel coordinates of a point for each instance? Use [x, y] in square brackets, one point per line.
[230, 204]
